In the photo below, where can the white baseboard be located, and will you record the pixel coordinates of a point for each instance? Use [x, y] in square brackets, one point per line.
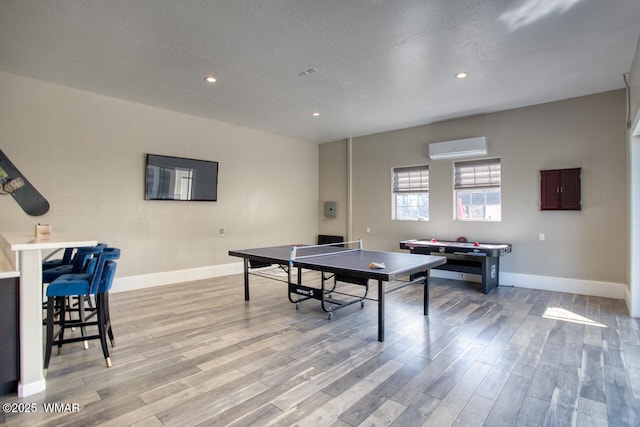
[565, 284]
[121, 284]
[627, 300]
[32, 388]
[547, 283]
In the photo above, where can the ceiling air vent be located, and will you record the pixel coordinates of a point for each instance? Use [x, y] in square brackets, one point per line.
[307, 72]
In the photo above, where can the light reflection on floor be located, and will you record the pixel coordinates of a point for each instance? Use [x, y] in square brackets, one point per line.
[558, 313]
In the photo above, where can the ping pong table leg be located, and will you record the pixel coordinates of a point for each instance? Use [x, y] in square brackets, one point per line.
[246, 279]
[380, 310]
[426, 293]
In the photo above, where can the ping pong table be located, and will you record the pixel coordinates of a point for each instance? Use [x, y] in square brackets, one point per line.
[356, 266]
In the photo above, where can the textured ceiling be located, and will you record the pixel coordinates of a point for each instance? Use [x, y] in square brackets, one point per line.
[379, 64]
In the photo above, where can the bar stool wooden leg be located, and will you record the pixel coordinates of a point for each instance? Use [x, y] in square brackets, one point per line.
[102, 327]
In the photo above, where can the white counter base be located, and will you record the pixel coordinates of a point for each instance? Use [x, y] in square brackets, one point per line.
[27, 259]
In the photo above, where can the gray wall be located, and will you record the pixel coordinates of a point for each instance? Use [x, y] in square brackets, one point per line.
[334, 187]
[85, 153]
[584, 246]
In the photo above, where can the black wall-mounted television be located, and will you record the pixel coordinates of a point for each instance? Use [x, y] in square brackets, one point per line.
[177, 178]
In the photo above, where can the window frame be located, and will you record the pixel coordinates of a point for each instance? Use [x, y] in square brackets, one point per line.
[409, 180]
[486, 175]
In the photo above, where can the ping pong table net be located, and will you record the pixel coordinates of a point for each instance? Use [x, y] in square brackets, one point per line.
[311, 251]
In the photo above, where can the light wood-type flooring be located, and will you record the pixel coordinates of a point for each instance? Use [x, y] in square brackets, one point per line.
[198, 354]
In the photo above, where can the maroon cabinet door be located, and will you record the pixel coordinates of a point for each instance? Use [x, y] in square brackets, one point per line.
[560, 189]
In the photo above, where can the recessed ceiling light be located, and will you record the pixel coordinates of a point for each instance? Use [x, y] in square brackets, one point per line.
[462, 75]
[210, 79]
[315, 114]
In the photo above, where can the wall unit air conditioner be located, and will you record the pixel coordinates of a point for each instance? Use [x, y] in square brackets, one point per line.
[458, 148]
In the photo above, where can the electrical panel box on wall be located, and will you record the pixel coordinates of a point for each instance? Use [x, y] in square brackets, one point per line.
[330, 209]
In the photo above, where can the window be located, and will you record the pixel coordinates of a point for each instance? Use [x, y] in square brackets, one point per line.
[411, 193]
[477, 190]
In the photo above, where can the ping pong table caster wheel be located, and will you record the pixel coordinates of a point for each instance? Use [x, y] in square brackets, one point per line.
[361, 304]
[297, 306]
[329, 315]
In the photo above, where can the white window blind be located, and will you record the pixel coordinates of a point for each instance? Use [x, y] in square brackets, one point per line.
[477, 174]
[412, 179]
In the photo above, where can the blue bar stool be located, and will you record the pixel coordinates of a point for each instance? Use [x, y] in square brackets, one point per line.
[82, 262]
[76, 265]
[96, 282]
[67, 257]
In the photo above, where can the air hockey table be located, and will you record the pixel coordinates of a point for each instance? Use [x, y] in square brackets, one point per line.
[464, 257]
